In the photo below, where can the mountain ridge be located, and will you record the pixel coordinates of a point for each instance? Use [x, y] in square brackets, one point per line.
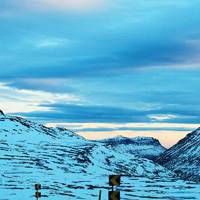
[147, 147]
[1, 113]
[184, 157]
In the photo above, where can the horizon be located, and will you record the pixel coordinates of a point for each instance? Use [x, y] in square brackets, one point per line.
[166, 138]
[84, 128]
[103, 68]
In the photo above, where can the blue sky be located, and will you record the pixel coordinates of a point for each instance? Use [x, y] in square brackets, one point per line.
[104, 64]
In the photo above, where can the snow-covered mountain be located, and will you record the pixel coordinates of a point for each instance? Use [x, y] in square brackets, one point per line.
[146, 147]
[33, 143]
[184, 157]
[31, 153]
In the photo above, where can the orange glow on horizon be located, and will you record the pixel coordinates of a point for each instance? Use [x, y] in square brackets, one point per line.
[166, 138]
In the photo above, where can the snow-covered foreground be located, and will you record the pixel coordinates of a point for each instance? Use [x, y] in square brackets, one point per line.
[87, 187]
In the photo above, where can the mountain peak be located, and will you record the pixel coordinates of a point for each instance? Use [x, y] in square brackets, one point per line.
[135, 140]
[147, 147]
[2, 113]
[13, 126]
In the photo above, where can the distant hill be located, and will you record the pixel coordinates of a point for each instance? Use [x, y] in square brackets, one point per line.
[146, 147]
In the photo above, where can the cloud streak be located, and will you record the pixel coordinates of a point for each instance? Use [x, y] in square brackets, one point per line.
[55, 5]
[23, 100]
[42, 84]
[104, 114]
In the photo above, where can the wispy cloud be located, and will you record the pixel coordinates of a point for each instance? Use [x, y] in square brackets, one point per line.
[51, 43]
[126, 126]
[162, 117]
[56, 5]
[51, 85]
[24, 100]
[62, 112]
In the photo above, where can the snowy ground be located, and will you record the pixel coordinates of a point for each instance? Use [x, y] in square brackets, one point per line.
[79, 186]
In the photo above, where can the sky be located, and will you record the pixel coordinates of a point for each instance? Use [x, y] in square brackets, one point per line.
[103, 68]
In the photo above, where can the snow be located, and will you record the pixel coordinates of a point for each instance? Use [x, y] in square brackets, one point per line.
[184, 157]
[146, 147]
[68, 166]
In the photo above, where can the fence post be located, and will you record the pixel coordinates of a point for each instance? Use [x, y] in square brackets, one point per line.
[37, 189]
[114, 181]
[100, 195]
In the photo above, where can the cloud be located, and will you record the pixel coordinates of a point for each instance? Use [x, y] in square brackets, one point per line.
[87, 113]
[61, 112]
[155, 126]
[106, 127]
[51, 43]
[24, 100]
[56, 5]
[41, 84]
[162, 117]
[117, 43]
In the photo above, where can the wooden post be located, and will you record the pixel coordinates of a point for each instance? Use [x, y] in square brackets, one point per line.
[100, 195]
[37, 191]
[114, 181]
